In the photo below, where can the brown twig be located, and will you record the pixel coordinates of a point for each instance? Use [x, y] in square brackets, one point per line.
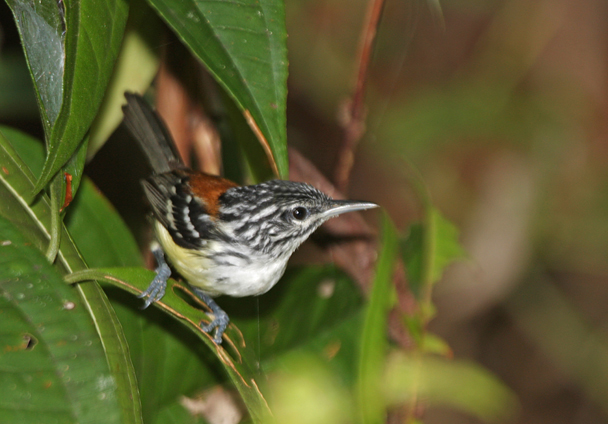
[355, 114]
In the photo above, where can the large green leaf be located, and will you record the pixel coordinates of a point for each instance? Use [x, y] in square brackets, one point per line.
[33, 220]
[70, 48]
[42, 27]
[243, 44]
[136, 280]
[169, 360]
[157, 348]
[52, 362]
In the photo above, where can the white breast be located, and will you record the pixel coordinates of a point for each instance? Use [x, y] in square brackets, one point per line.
[230, 275]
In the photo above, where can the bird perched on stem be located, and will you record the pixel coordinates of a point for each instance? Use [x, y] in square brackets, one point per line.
[221, 237]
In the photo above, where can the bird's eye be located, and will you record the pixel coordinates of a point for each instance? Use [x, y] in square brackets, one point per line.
[300, 213]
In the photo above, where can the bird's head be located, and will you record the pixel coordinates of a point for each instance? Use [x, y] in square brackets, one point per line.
[276, 216]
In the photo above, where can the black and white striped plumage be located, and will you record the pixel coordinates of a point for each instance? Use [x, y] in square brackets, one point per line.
[223, 238]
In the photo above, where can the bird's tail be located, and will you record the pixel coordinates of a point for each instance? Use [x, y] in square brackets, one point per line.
[151, 133]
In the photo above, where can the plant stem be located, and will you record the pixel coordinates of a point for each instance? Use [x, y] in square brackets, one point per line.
[354, 125]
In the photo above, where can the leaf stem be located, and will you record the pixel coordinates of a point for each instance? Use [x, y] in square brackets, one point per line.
[57, 189]
[80, 276]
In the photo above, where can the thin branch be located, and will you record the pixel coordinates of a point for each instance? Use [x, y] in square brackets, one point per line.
[355, 114]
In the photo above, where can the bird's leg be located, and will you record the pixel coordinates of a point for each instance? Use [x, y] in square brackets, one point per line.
[156, 289]
[220, 321]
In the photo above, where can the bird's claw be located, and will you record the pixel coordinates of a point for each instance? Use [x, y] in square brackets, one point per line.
[220, 321]
[156, 289]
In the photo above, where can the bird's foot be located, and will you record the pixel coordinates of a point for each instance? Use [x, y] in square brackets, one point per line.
[220, 321]
[156, 289]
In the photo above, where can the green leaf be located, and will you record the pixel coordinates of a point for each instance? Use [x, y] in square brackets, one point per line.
[33, 221]
[169, 359]
[245, 151]
[447, 248]
[42, 30]
[429, 249]
[457, 384]
[243, 44]
[99, 232]
[435, 345]
[307, 303]
[136, 66]
[53, 366]
[29, 149]
[70, 48]
[339, 345]
[174, 364]
[374, 343]
[160, 348]
[136, 280]
[302, 312]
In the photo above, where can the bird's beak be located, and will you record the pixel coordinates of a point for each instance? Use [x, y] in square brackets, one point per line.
[342, 206]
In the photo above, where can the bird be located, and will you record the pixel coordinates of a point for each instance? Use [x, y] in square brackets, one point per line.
[221, 237]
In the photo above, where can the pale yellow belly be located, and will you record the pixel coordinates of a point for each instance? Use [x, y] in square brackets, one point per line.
[234, 277]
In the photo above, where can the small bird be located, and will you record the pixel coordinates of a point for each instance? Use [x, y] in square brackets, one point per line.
[221, 237]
